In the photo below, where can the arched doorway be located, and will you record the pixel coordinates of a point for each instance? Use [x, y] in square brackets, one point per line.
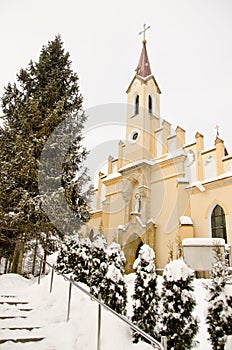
[218, 223]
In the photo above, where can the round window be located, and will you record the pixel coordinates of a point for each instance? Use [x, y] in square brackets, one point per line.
[134, 136]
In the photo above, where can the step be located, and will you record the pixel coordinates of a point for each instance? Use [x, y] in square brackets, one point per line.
[25, 309]
[21, 335]
[15, 322]
[20, 339]
[13, 302]
[13, 328]
[15, 308]
[5, 317]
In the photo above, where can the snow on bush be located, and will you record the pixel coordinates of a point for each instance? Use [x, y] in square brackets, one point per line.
[177, 321]
[100, 268]
[219, 312]
[115, 291]
[145, 298]
[67, 255]
[97, 266]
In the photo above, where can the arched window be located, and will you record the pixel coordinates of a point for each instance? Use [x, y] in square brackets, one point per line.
[136, 104]
[218, 223]
[150, 104]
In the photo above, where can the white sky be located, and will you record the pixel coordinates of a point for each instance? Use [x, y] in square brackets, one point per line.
[189, 47]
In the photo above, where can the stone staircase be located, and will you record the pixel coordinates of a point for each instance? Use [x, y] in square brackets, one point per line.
[15, 327]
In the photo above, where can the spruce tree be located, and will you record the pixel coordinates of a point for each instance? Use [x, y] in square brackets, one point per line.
[219, 312]
[115, 292]
[177, 321]
[82, 267]
[45, 95]
[145, 297]
[67, 256]
[97, 266]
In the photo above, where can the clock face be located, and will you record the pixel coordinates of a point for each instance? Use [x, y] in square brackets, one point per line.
[134, 136]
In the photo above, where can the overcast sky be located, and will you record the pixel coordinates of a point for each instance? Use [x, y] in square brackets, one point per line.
[189, 46]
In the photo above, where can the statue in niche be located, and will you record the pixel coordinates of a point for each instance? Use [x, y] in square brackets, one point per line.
[138, 203]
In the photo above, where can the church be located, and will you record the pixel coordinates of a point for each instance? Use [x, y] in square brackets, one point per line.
[161, 189]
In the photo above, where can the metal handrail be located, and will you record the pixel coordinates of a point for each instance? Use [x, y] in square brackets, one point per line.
[149, 338]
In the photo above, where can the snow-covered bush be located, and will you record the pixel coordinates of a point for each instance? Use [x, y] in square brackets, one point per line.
[219, 312]
[145, 297]
[81, 270]
[73, 258]
[97, 266]
[100, 268]
[67, 255]
[114, 293]
[177, 321]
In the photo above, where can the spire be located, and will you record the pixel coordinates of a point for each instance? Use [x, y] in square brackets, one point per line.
[144, 69]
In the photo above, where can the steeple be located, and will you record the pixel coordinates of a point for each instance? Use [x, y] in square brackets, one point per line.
[144, 69]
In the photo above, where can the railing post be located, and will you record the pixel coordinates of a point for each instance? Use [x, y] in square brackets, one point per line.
[40, 269]
[52, 276]
[99, 325]
[69, 300]
[164, 342]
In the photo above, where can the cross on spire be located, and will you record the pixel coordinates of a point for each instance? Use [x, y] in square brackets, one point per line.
[144, 31]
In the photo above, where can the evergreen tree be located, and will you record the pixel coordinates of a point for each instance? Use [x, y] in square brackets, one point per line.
[145, 297]
[82, 267]
[219, 313]
[115, 292]
[97, 266]
[67, 256]
[177, 321]
[45, 95]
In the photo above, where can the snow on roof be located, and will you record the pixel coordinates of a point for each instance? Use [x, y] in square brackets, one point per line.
[133, 164]
[167, 156]
[182, 180]
[111, 176]
[176, 270]
[199, 184]
[185, 220]
[95, 211]
[192, 242]
[151, 221]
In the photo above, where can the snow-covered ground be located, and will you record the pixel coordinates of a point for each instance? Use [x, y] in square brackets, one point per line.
[50, 310]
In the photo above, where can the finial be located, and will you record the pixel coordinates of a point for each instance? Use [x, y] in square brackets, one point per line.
[144, 31]
[217, 128]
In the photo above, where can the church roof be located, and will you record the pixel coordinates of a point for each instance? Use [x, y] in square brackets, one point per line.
[144, 69]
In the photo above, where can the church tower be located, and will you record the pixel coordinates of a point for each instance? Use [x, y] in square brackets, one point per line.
[143, 111]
